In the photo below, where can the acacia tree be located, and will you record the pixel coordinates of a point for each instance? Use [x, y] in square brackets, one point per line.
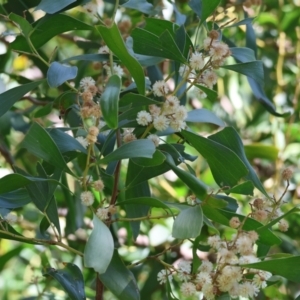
[105, 111]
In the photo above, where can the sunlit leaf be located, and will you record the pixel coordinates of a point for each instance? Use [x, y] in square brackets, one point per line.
[99, 249]
[188, 223]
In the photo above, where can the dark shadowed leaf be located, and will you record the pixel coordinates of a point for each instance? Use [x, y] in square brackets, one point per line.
[51, 7]
[10, 97]
[109, 101]
[196, 6]
[253, 69]
[99, 248]
[58, 74]
[88, 57]
[227, 168]
[137, 148]
[71, 279]
[14, 199]
[115, 43]
[38, 142]
[119, 280]
[288, 267]
[208, 7]
[46, 28]
[188, 223]
[22, 23]
[230, 138]
[243, 54]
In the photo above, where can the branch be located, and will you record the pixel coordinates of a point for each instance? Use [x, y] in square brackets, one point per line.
[35, 101]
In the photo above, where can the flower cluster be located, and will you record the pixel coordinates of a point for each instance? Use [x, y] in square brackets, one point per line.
[89, 107]
[228, 274]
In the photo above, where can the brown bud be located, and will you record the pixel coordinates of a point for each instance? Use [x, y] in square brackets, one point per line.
[258, 203]
[287, 174]
[214, 34]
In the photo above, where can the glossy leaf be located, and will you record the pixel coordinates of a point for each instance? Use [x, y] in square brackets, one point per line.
[140, 5]
[253, 69]
[227, 168]
[64, 141]
[243, 54]
[147, 43]
[288, 267]
[119, 280]
[14, 199]
[157, 159]
[58, 74]
[10, 97]
[137, 148]
[109, 101]
[115, 43]
[190, 180]
[38, 142]
[203, 115]
[71, 279]
[51, 7]
[230, 138]
[88, 57]
[48, 27]
[188, 223]
[99, 249]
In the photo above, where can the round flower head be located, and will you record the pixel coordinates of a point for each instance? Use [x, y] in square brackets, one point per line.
[86, 82]
[181, 113]
[170, 104]
[244, 245]
[102, 214]
[234, 222]
[129, 137]
[117, 70]
[287, 174]
[98, 185]
[163, 276]
[143, 118]
[210, 78]
[161, 123]
[103, 50]
[11, 218]
[87, 198]
[188, 289]
[154, 138]
[160, 88]
[206, 266]
[283, 225]
[218, 50]
[196, 61]
[177, 125]
[154, 110]
[248, 290]
[82, 141]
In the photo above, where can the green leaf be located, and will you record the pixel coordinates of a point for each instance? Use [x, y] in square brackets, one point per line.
[197, 187]
[243, 54]
[196, 6]
[149, 201]
[46, 28]
[253, 69]
[245, 188]
[10, 97]
[226, 167]
[258, 150]
[246, 21]
[140, 5]
[136, 100]
[38, 142]
[208, 7]
[44, 111]
[230, 138]
[51, 7]
[99, 249]
[14, 199]
[288, 267]
[71, 280]
[211, 94]
[119, 280]
[115, 43]
[64, 141]
[157, 159]
[58, 74]
[188, 223]
[88, 57]
[137, 148]
[147, 43]
[203, 115]
[22, 23]
[109, 101]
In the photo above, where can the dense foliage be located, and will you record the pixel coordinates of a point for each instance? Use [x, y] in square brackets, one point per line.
[150, 149]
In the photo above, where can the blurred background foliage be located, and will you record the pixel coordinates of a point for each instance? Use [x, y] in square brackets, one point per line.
[272, 143]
